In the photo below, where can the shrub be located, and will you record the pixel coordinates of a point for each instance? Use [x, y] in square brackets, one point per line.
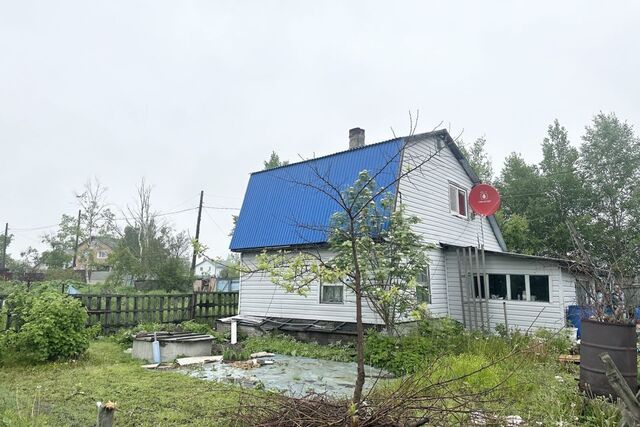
[195, 327]
[47, 327]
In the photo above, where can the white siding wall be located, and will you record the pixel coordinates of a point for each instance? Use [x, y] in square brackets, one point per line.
[259, 297]
[425, 194]
[520, 314]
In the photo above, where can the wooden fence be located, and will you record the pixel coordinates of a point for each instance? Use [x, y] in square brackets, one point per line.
[122, 311]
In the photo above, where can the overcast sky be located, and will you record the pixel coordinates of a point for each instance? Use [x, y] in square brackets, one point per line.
[195, 95]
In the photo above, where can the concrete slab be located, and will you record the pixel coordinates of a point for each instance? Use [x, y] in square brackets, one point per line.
[151, 366]
[261, 354]
[184, 361]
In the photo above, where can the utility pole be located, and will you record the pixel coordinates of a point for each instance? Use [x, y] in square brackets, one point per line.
[195, 248]
[4, 246]
[75, 247]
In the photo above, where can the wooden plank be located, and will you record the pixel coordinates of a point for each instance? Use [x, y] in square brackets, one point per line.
[107, 314]
[135, 309]
[118, 322]
[569, 358]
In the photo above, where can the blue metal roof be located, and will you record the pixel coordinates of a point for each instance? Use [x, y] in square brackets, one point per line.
[281, 209]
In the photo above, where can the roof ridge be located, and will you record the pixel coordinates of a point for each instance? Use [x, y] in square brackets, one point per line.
[400, 138]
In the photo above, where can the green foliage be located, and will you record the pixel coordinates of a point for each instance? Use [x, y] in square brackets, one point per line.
[591, 187]
[284, 344]
[235, 354]
[47, 327]
[274, 161]
[478, 159]
[409, 353]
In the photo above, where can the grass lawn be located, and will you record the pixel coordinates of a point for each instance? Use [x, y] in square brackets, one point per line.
[65, 394]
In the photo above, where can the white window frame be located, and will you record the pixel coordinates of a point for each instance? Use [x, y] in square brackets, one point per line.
[333, 285]
[458, 189]
[425, 285]
[527, 286]
[100, 252]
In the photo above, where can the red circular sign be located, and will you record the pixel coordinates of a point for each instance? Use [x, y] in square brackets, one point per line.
[484, 199]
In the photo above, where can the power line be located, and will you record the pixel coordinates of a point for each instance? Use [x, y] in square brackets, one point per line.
[221, 208]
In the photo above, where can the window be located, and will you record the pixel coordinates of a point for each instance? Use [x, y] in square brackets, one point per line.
[475, 286]
[102, 254]
[539, 288]
[331, 294]
[498, 286]
[423, 287]
[458, 201]
[518, 287]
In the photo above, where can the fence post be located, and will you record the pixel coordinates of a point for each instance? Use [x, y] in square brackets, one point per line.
[192, 301]
[107, 314]
[118, 315]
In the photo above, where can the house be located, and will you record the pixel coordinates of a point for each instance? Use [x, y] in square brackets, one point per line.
[208, 277]
[281, 211]
[97, 249]
[207, 268]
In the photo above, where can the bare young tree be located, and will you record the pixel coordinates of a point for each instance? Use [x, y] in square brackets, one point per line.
[96, 219]
[355, 234]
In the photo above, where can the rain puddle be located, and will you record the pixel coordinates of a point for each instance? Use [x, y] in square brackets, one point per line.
[297, 376]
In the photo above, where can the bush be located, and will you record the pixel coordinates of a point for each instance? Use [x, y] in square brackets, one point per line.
[408, 353]
[45, 327]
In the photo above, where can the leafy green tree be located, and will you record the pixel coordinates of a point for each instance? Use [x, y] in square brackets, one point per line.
[563, 194]
[149, 249]
[516, 233]
[479, 160]
[519, 185]
[231, 269]
[610, 167]
[375, 254]
[274, 161]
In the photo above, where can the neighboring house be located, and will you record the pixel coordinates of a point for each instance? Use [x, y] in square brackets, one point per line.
[207, 268]
[98, 250]
[207, 274]
[281, 212]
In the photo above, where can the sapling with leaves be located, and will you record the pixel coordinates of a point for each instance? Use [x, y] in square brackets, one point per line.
[374, 253]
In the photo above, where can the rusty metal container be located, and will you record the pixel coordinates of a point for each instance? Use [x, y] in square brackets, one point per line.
[619, 341]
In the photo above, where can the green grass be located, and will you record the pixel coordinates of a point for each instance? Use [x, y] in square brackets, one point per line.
[536, 386]
[65, 394]
[283, 344]
[532, 383]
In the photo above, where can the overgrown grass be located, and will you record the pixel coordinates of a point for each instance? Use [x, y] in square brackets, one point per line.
[65, 394]
[283, 344]
[530, 381]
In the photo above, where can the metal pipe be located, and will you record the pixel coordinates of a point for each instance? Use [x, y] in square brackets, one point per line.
[479, 287]
[462, 303]
[486, 288]
[472, 292]
[506, 323]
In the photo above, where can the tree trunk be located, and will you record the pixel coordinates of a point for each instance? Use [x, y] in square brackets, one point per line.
[357, 392]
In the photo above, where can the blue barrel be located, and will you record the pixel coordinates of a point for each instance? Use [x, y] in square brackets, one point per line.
[576, 313]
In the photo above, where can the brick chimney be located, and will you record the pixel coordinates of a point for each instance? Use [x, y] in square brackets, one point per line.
[356, 138]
